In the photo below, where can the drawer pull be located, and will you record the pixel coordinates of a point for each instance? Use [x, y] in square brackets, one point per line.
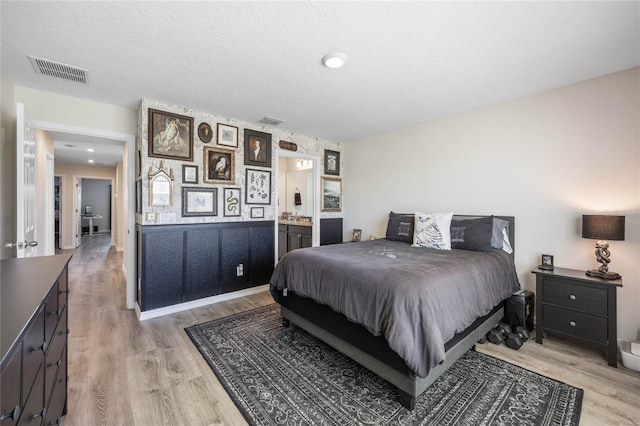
[57, 313]
[572, 323]
[573, 297]
[64, 291]
[53, 364]
[40, 414]
[12, 415]
[42, 348]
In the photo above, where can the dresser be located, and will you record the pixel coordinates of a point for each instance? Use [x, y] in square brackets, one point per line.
[577, 306]
[34, 340]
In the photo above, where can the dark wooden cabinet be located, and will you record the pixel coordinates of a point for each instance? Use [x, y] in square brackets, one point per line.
[34, 340]
[577, 306]
[181, 263]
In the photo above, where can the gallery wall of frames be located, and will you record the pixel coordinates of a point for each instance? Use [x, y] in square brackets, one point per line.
[196, 167]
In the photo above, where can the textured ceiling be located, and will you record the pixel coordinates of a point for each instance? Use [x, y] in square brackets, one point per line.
[408, 62]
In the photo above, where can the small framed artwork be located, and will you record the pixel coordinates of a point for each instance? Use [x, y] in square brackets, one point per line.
[546, 262]
[219, 165]
[257, 148]
[227, 135]
[204, 132]
[198, 201]
[258, 186]
[331, 162]
[331, 194]
[257, 212]
[231, 201]
[357, 235]
[170, 135]
[189, 174]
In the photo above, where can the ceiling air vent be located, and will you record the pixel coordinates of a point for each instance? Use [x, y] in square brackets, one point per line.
[59, 70]
[271, 121]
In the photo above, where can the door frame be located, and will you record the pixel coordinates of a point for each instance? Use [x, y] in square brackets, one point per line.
[128, 198]
[315, 229]
[49, 210]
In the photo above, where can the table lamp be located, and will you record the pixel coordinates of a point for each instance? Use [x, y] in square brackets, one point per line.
[602, 228]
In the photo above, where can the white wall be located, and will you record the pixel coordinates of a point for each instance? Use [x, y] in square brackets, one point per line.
[98, 194]
[67, 172]
[545, 159]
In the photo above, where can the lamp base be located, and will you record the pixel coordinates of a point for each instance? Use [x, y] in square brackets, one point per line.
[603, 275]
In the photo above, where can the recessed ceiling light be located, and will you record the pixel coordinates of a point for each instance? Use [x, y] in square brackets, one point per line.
[334, 60]
[90, 149]
[91, 161]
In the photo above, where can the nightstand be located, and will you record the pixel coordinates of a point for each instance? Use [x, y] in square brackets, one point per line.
[574, 305]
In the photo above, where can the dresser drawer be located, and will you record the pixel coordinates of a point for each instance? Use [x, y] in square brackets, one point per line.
[34, 407]
[54, 354]
[574, 296]
[10, 384]
[63, 291]
[588, 327]
[33, 348]
[52, 312]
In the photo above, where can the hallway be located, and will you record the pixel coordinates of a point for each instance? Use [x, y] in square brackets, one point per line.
[126, 372]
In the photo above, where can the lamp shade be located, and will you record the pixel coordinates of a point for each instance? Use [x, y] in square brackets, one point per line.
[600, 227]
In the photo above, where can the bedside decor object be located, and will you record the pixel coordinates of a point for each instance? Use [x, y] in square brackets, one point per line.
[546, 262]
[204, 132]
[170, 135]
[219, 165]
[357, 235]
[602, 228]
[227, 135]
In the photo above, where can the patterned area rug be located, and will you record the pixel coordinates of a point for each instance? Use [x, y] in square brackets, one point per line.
[279, 376]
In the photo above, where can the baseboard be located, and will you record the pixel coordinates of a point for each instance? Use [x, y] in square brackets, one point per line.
[124, 269]
[68, 248]
[154, 313]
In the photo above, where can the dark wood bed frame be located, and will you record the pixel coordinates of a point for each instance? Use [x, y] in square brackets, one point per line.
[373, 352]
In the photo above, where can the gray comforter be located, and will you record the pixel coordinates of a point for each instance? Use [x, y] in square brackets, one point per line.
[418, 298]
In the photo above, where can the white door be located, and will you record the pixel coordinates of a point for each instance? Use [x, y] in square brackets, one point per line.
[26, 206]
[78, 211]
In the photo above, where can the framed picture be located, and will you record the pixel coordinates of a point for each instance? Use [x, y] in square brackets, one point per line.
[258, 187]
[227, 135]
[189, 174]
[331, 194]
[219, 165]
[170, 135]
[357, 235]
[331, 162]
[161, 186]
[257, 212]
[546, 262]
[231, 201]
[257, 148]
[198, 201]
[204, 132]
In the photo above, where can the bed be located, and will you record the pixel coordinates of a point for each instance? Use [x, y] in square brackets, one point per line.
[406, 313]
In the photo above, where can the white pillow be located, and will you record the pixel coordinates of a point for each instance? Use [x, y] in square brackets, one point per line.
[432, 230]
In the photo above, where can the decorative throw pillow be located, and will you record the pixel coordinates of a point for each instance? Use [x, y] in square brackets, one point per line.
[472, 234]
[500, 235]
[400, 227]
[432, 230]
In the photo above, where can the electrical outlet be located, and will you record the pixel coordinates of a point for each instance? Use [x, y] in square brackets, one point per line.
[240, 270]
[151, 216]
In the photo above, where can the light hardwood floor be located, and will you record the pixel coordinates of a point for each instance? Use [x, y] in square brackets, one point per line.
[126, 372]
